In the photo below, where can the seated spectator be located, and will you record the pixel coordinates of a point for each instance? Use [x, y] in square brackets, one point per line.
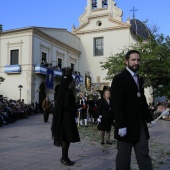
[166, 113]
[158, 111]
[152, 109]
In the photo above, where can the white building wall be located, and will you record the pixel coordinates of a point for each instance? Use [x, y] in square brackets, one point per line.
[31, 44]
[9, 88]
[114, 41]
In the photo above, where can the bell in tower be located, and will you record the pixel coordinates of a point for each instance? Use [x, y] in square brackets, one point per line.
[94, 4]
[104, 3]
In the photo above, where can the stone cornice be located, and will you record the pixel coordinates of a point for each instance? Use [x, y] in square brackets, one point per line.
[102, 30]
[36, 31]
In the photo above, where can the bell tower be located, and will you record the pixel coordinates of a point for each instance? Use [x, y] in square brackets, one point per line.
[97, 4]
[100, 3]
[101, 7]
[101, 33]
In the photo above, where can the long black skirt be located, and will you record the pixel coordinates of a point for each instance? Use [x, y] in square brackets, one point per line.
[105, 125]
[69, 130]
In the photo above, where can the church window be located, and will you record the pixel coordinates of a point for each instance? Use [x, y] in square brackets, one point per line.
[60, 63]
[14, 57]
[44, 56]
[98, 46]
[72, 66]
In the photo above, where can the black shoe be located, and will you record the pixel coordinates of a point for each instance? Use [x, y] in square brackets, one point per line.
[108, 142]
[67, 163]
[71, 161]
[102, 143]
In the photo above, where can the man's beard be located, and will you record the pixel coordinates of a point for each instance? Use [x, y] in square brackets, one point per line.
[133, 68]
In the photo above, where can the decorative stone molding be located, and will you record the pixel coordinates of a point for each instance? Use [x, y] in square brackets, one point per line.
[118, 12]
[44, 47]
[12, 46]
[15, 43]
[72, 59]
[59, 54]
[82, 18]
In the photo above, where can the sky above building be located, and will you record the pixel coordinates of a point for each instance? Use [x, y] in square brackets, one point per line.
[63, 14]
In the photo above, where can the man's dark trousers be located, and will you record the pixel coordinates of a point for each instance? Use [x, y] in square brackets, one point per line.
[46, 115]
[141, 149]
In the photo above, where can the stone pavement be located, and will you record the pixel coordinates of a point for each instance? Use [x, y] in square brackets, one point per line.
[27, 145]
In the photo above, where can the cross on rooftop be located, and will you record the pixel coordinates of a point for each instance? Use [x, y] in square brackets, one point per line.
[133, 10]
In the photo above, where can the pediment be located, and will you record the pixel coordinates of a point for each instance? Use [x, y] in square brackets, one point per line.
[100, 23]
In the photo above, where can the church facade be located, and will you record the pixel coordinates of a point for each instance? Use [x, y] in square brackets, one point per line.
[100, 34]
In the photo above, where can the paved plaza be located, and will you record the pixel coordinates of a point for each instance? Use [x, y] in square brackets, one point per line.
[27, 145]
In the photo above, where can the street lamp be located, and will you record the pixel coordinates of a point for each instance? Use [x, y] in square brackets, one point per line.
[20, 87]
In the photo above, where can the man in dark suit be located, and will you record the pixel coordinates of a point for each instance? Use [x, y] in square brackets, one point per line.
[46, 108]
[131, 114]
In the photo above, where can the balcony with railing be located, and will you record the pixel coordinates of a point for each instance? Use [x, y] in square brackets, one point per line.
[41, 69]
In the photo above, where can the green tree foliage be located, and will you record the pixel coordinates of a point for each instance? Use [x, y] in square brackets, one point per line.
[155, 62]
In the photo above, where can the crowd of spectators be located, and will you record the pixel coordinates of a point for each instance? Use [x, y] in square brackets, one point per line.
[158, 108]
[11, 111]
[56, 67]
[44, 63]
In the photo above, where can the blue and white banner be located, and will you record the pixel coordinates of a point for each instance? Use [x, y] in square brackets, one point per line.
[40, 69]
[50, 78]
[12, 68]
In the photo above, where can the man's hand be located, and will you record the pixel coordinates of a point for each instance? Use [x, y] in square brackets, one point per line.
[99, 120]
[122, 132]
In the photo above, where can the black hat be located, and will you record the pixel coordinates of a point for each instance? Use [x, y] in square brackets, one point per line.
[67, 74]
[67, 71]
[106, 88]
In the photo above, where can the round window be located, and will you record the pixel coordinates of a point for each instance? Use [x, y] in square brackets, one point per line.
[99, 23]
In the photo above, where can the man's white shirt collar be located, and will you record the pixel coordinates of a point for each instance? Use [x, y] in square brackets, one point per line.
[131, 72]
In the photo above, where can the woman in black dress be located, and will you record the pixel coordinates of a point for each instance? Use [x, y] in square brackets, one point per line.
[105, 116]
[64, 127]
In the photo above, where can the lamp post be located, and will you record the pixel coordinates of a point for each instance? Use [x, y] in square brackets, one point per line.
[20, 87]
